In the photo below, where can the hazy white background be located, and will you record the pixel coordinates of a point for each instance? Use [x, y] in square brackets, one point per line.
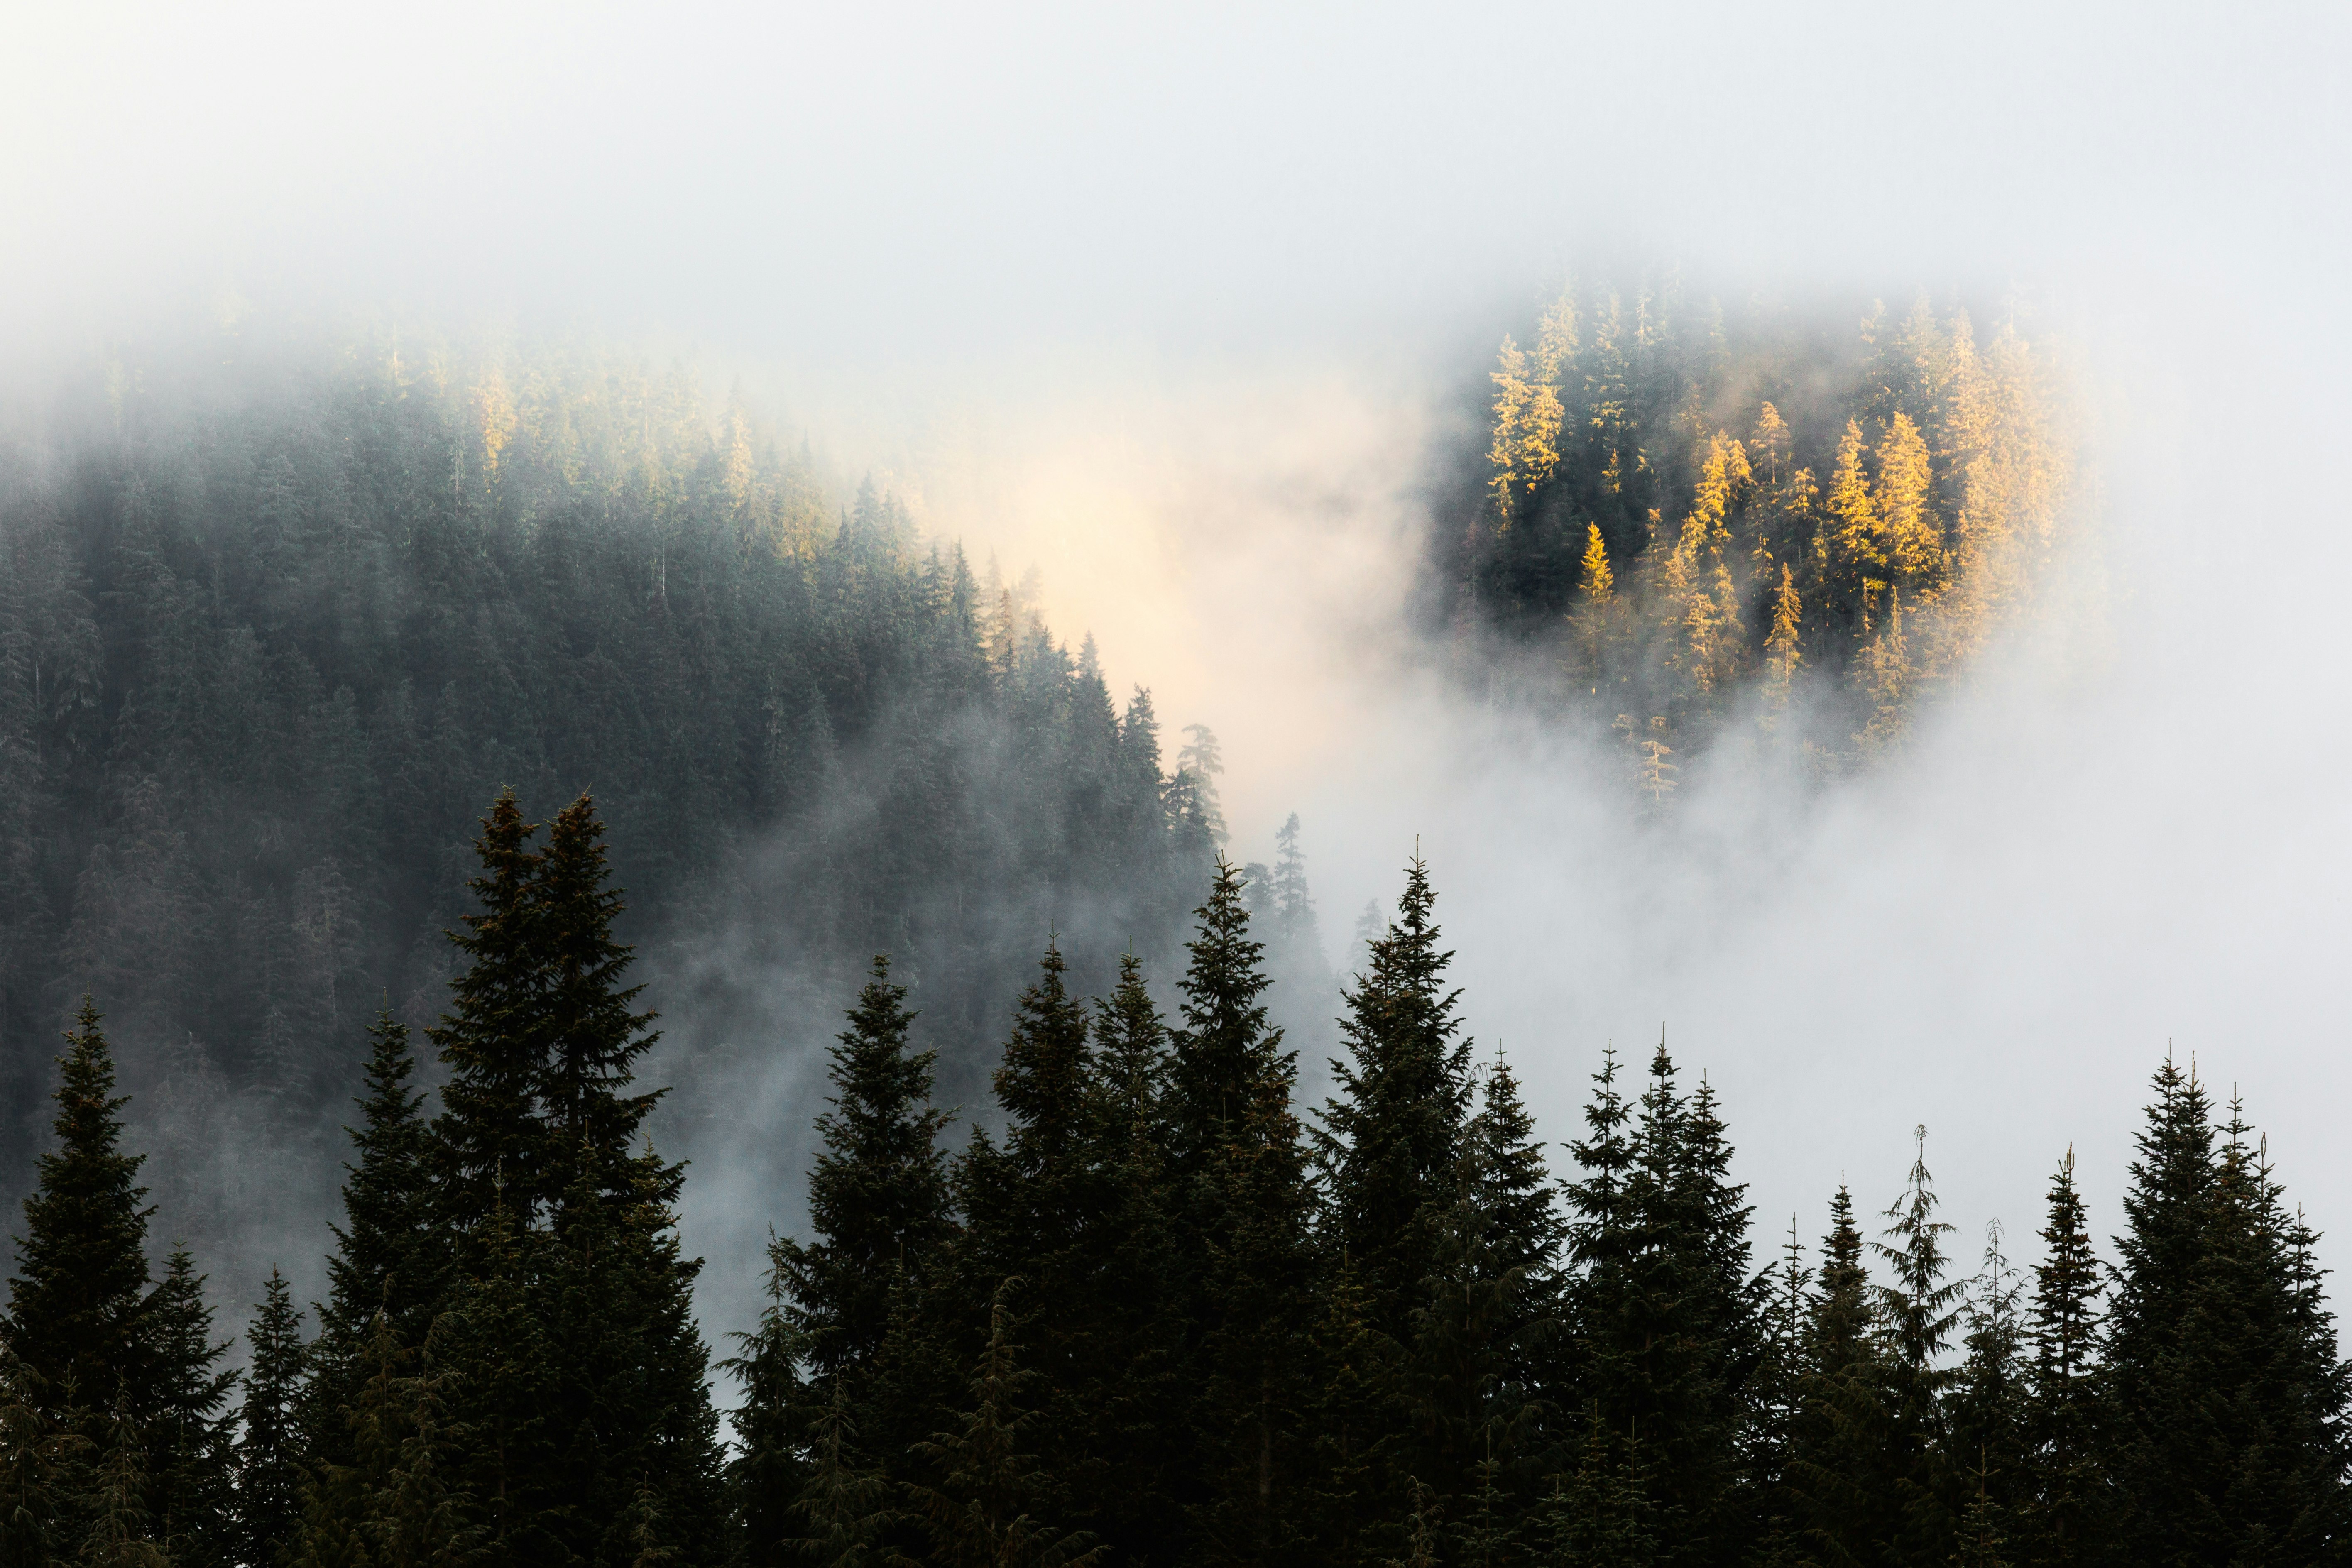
[1173, 302]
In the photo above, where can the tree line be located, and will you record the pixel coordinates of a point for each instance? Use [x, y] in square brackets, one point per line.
[1694, 526]
[1154, 1311]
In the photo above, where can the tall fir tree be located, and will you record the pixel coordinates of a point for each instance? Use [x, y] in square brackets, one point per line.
[388, 1258]
[1391, 1140]
[2066, 1522]
[1244, 1206]
[878, 1190]
[187, 1427]
[76, 1319]
[2227, 1427]
[1919, 1309]
[271, 1453]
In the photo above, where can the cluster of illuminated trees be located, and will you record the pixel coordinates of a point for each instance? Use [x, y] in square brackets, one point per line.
[1752, 525]
[1156, 1312]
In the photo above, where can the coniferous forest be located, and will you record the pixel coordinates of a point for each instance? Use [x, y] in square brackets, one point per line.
[276, 618]
[1688, 525]
[1087, 1272]
[1160, 1314]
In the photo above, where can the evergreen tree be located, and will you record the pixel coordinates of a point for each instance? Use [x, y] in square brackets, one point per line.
[1918, 1310]
[1986, 1408]
[1665, 1307]
[489, 1141]
[1842, 1498]
[2227, 1437]
[1244, 1207]
[774, 1433]
[877, 1193]
[1134, 1379]
[190, 1460]
[2065, 1516]
[1390, 1141]
[271, 1452]
[387, 1259]
[77, 1304]
[993, 1504]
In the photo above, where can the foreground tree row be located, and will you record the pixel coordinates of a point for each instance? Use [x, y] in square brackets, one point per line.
[1151, 1313]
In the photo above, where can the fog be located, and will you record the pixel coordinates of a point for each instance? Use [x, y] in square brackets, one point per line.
[1180, 309]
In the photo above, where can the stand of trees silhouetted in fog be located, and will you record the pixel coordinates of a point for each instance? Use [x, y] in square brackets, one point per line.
[1162, 1314]
[269, 636]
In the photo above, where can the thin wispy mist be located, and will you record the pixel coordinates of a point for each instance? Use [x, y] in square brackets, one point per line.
[1190, 314]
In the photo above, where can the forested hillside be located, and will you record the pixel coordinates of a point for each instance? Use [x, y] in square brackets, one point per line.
[1162, 1314]
[273, 624]
[1690, 525]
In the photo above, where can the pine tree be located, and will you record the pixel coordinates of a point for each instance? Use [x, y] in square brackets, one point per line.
[1391, 1140]
[77, 1304]
[1134, 1382]
[489, 1143]
[877, 1193]
[1243, 1198]
[2227, 1431]
[1666, 1308]
[2065, 1515]
[386, 1258]
[1845, 1503]
[774, 1433]
[993, 1505]
[1984, 1439]
[843, 1514]
[270, 1451]
[1919, 1309]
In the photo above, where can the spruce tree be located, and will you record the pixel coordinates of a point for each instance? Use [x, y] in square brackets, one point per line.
[1132, 1383]
[77, 1303]
[1843, 1502]
[994, 1506]
[1918, 1309]
[2227, 1427]
[190, 1457]
[388, 1258]
[489, 1141]
[1033, 1206]
[774, 1434]
[877, 1193]
[270, 1450]
[1243, 1203]
[1391, 1138]
[1666, 1308]
[2065, 1512]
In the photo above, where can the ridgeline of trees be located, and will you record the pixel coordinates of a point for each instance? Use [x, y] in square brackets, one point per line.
[1159, 1316]
[1694, 526]
[270, 635]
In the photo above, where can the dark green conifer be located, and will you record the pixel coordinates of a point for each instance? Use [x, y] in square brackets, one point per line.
[489, 1141]
[1666, 1309]
[2227, 1425]
[388, 1258]
[77, 1303]
[270, 1447]
[877, 1193]
[1918, 1310]
[1843, 1501]
[1243, 1205]
[1389, 1141]
[1133, 1378]
[2065, 1512]
[994, 1506]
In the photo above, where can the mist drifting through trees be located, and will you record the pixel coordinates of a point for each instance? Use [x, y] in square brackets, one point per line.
[1130, 1281]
